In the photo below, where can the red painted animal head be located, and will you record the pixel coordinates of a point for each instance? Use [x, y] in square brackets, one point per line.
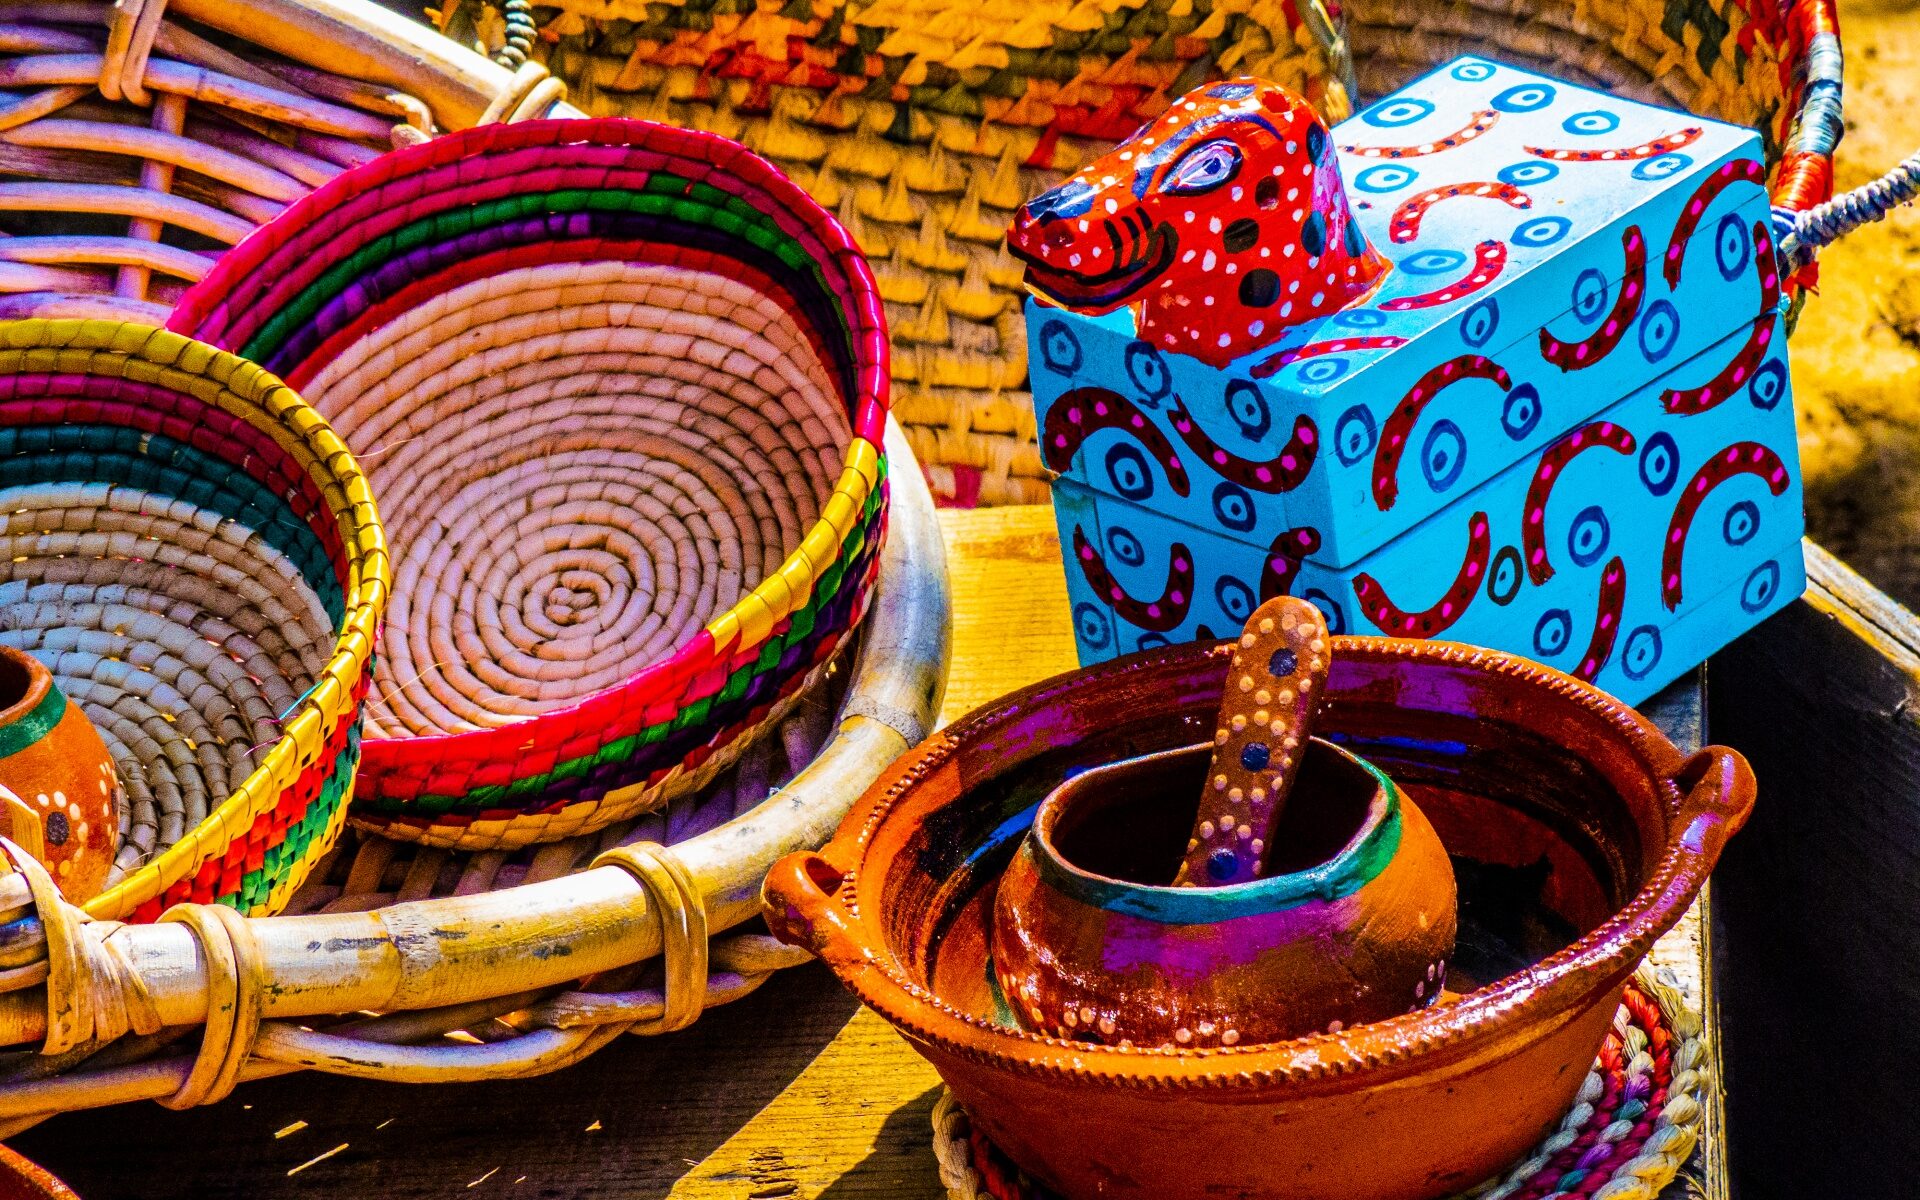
[1225, 221]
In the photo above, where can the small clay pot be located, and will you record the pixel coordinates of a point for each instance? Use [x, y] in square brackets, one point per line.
[58, 790]
[1353, 923]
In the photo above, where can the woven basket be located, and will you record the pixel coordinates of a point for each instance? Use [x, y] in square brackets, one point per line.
[140, 139]
[605, 374]
[196, 557]
[925, 123]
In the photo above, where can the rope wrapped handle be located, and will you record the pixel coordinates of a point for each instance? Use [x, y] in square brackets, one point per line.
[1808, 232]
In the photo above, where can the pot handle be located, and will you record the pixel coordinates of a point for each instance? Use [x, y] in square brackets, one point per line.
[1717, 793]
[799, 904]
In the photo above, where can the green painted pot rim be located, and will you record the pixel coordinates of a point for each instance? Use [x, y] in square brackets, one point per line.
[1364, 855]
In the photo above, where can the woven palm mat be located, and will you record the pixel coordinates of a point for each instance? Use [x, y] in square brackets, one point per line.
[1634, 1125]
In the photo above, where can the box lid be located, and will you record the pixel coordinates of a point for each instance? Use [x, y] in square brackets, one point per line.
[1554, 249]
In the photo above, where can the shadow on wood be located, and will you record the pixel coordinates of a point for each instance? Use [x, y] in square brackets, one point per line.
[624, 1125]
[1817, 902]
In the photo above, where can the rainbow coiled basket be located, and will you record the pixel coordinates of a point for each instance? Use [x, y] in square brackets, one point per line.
[622, 390]
[197, 557]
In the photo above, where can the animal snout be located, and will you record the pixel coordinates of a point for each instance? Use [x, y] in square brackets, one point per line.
[1071, 199]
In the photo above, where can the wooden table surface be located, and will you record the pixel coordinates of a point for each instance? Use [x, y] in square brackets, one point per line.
[793, 1092]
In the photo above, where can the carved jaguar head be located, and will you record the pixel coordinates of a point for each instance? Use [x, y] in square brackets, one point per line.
[1225, 221]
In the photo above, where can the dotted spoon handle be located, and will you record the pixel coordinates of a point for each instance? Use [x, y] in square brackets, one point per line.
[1273, 694]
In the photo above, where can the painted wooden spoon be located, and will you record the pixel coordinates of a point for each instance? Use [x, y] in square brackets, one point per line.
[1267, 712]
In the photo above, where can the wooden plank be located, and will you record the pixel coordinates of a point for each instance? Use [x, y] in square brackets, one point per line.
[790, 1093]
[1819, 897]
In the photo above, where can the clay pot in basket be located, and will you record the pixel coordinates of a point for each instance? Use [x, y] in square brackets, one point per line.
[1579, 835]
[58, 790]
[1353, 922]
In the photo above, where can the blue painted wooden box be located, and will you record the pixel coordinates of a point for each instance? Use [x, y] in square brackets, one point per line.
[1562, 427]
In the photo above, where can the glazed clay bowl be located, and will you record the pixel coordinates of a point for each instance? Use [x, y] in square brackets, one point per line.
[1578, 833]
[1353, 921]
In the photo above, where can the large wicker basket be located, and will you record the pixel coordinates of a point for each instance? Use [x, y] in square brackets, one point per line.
[642, 907]
[924, 123]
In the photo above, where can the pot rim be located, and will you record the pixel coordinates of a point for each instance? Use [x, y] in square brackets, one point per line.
[1551, 993]
[39, 684]
[1341, 874]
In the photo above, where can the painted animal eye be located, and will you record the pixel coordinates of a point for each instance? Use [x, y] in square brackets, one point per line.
[1203, 168]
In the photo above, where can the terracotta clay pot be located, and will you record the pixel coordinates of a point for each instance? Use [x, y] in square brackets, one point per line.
[58, 790]
[23, 1179]
[1353, 923]
[1579, 835]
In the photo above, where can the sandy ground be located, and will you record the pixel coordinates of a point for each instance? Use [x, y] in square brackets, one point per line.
[1856, 353]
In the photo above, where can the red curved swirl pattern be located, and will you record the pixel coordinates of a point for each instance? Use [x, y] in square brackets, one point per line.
[1316, 349]
[1489, 259]
[1400, 423]
[1741, 458]
[1482, 121]
[1606, 623]
[1687, 402]
[1084, 411]
[1157, 616]
[1281, 473]
[1533, 529]
[1575, 356]
[1744, 170]
[1651, 149]
[1284, 557]
[1397, 622]
[1405, 225]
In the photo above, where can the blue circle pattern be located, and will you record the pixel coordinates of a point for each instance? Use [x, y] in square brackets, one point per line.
[1664, 166]
[1433, 262]
[1768, 384]
[1521, 413]
[1590, 289]
[1641, 653]
[1525, 98]
[1235, 598]
[1761, 586]
[1732, 246]
[1059, 349]
[1553, 632]
[1588, 536]
[1444, 455]
[1660, 331]
[1660, 463]
[1396, 113]
[1091, 623]
[1128, 471]
[1591, 123]
[1742, 522]
[1541, 231]
[1480, 322]
[1233, 508]
[1529, 173]
[1355, 434]
[1385, 177]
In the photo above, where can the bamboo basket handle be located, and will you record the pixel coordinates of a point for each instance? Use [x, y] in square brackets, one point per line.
[453, 958]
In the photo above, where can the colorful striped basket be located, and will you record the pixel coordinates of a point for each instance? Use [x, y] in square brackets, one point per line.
[925, 123]
[196, 556]
[605, 375]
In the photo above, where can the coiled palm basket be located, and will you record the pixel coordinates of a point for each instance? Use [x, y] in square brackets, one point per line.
[622, 390]
[924, 123]
[196, 556]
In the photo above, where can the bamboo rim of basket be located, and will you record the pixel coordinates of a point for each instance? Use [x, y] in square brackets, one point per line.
[239, 387]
